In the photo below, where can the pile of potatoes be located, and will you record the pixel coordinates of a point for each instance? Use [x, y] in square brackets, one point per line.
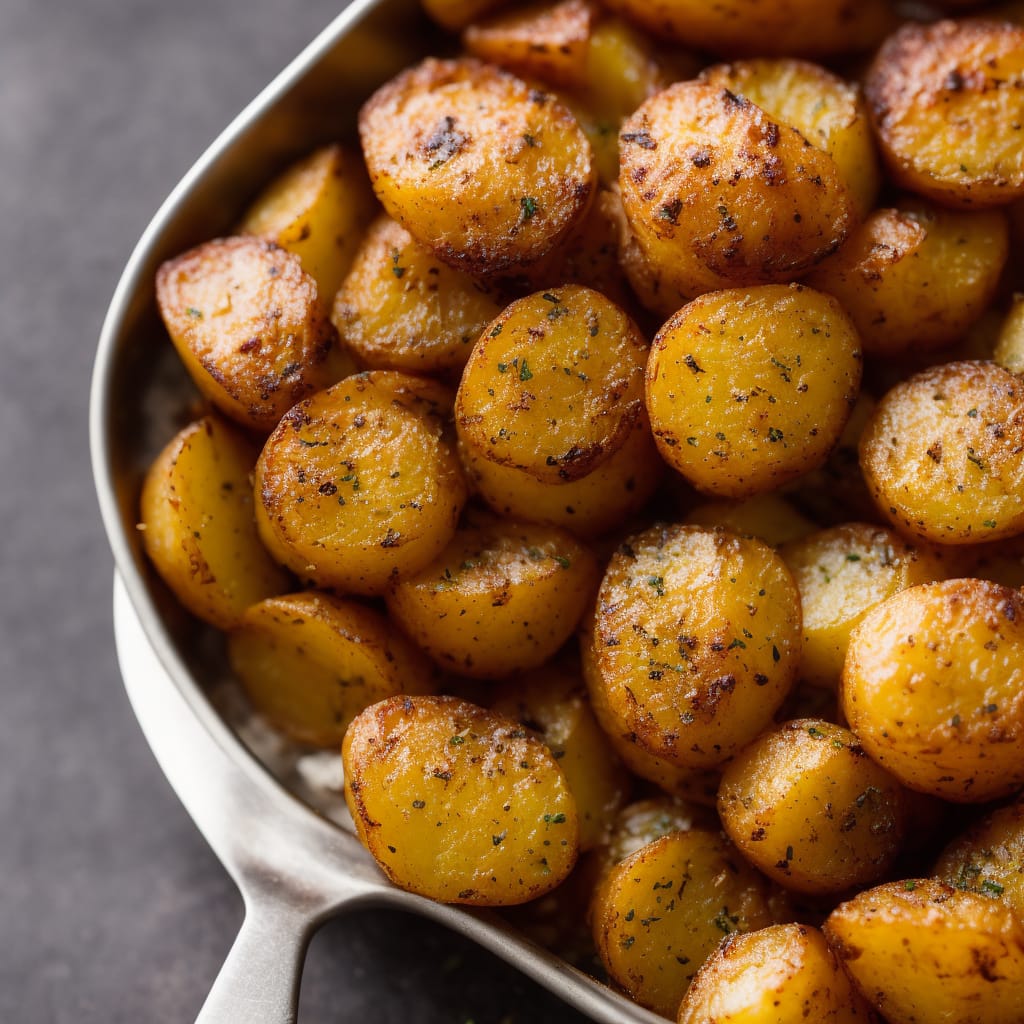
[619, 456]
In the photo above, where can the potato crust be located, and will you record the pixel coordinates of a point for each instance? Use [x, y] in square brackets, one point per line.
[198, 526]
[933, 686]
[359, 483]
[947, 101]
[695, 642]
[487, 172]
[783, 974]
[458, 803]
[246, 321]
[924, 953]
[748, 389]
[718, 194]
[807, 806]
[310, 662]
[943, 454]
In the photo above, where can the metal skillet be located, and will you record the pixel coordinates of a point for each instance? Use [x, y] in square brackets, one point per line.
[276, 835]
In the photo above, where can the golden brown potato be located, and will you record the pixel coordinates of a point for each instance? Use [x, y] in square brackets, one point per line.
[458, 803]
[501, 597]
[359, 484]
[659, 913]
[552, 701]
[989, 858]
[783, 974]
[640, 823]
[549, 41]
[318, 209]
[804, 28]
[768, 517]
[946, 99]
[485, 171]
[310, 663]
[718, 194]
[828, 111]
[400, 308]
[842, 573]
[246, 322]
[807, 806]
[695, 642]
[943, 454]
[923, 953]
[1009, 349]
[749, 388]
[198, 526]
[915, 277]
[934, 687]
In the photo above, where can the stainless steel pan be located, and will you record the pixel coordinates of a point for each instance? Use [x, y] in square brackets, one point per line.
[293, 865]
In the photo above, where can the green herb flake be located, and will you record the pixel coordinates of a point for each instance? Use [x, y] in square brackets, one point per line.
[692, 441]
[815, 733]
[991, 888]
[853, 558]
[973, 413]
[554, 819]
[909, 886]
[989, 524]
[419, 804]
[456, 741]
[502, 367]
[775, 435]
[725, 921]
[524, 371]
[196, 314]
[736, 643]
[658, 583]
[496, 330]
[499, 839]
[562, 561]
[955, 721]
[528, 207]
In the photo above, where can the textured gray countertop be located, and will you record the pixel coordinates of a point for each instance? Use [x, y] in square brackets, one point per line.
[111, 907]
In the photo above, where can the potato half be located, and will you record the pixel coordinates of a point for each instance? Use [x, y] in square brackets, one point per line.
[457, 803]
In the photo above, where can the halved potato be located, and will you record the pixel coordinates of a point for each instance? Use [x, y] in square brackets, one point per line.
[457, 803]
[310, 662]
[198, 524]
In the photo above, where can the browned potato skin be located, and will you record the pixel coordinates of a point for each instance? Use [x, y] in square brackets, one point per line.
[944, 99]
[805, 28]
[943, 454]
[246, 322]
[916, 277]
[658, 914]
[360, 484]
[694, 645]
[310, 662]
[552, 701]
[457, 803]
[924, 953]
[988, 858]
[487, 172]
[545, 41]
[808, 807]
[719, 195]
[783, 974]
[502, 597]
[198, 526]
[401, 308]
[933, 685]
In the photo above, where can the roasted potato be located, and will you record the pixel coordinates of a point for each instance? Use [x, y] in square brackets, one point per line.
[658, 914]
[943, 454]
[247, 323]
[718, 194]
[915, 277]
[501, 597]
[749, 388]
[1009, 349]
[401, 308]
[485, 171]
[641, 823]
[783, 974]
[807, 806]
[768, 517]
[458, 803]
[923, 953]
[310, 662]
[359, 484]
[198, 526]
[989, 858]
[946, 100]
[804, 28]
[552, 701]
[933, 686]
[318, 209]
[828, 111]
[842, 573]
[695, 642]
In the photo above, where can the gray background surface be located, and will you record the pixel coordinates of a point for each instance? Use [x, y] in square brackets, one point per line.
[111, 907]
